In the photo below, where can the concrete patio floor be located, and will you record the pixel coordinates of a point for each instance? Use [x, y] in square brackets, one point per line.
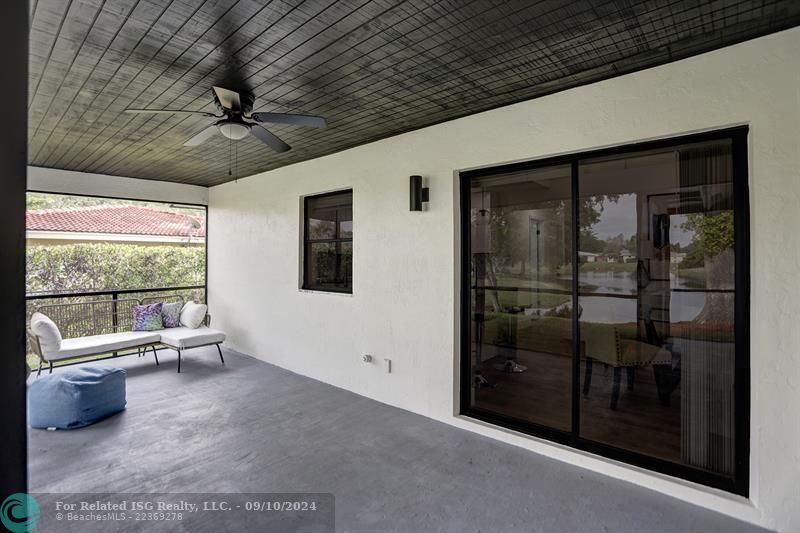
[252, 427]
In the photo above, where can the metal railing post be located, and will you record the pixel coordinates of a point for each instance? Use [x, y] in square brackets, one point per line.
[114, 319]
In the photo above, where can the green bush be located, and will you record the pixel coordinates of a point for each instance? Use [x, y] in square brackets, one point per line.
[105, 266]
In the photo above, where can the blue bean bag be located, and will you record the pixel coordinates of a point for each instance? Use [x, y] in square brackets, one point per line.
[74, 398]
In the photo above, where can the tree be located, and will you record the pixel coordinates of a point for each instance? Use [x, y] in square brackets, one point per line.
[615, 244]
[695, 257]
[589, 242]
[102, 266]
[590, 210]
[714, 240]
[510, 234]
[632, 244]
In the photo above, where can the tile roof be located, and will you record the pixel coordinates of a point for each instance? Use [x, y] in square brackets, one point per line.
[119, 219]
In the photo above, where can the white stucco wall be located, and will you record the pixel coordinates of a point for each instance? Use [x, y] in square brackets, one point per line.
[403, 305]
[71, 182]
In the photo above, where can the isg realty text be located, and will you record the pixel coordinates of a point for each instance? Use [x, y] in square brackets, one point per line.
[125, 505]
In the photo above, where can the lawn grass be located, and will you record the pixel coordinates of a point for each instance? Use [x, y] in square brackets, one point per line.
[553, 334]
[523, 298]
[695, 277]
[510, 299]
[607, 267]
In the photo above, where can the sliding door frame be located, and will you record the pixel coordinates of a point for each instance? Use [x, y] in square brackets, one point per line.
[740, 481]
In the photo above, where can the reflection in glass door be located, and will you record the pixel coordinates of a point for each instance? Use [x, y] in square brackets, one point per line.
[631, 343]
[658, 304]
[521, 362]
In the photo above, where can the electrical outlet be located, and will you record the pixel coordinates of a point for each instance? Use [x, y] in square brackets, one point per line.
[367, 358]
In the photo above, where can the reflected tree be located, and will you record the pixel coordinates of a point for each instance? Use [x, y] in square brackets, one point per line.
[714, 240]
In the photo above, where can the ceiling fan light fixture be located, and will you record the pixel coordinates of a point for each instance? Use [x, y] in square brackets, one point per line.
[234, 130]
[234, 108]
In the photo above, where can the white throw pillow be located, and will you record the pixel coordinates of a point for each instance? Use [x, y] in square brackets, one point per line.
[47, 332]
[192, 315]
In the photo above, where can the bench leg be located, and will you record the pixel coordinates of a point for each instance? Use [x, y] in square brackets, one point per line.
[179, 361]
[51, 367]
[155, 354]
[587, 378]
[220, 354]
[615, 387]
[39, 373]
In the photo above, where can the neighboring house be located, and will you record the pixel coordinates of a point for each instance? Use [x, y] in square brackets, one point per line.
[626, 255]
[677, 257]
[588, 257]
[114, 223]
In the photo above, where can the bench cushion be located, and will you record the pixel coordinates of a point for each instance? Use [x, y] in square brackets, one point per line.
[99, 344]
[189, 338]
[76, 397]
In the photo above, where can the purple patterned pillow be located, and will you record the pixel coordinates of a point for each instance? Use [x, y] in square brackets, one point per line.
[147, 317]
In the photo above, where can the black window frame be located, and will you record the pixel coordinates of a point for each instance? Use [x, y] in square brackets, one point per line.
[739, 483]
[307, 241]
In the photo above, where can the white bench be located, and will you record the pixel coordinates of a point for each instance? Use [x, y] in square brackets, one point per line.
[47, 344]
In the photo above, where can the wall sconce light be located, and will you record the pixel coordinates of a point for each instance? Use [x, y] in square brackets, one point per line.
[418, 194]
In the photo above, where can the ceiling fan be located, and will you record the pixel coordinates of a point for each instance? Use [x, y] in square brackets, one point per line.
[235, 107]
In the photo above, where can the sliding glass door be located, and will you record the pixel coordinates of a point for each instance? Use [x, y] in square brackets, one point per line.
[605, 303]
[520, 227]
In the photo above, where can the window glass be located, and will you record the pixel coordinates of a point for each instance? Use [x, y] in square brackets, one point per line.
[657, 303]
[345, 217]
[322, 225]
[520, 321]
[328, 249]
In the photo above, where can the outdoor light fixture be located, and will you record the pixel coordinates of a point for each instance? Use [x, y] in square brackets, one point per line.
[418, 194]
[481, 229]
[233, 130]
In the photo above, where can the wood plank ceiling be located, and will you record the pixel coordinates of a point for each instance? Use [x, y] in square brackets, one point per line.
[372, 68]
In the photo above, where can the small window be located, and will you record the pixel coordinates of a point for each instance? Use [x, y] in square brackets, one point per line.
[328, 242]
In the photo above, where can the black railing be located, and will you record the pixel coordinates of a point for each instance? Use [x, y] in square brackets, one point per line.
[113, 293]
[115, 298]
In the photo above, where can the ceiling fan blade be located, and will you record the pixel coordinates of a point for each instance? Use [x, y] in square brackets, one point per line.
[287, 118]
[269, 138]
[171, 111]
[202, 137]
[229, 99]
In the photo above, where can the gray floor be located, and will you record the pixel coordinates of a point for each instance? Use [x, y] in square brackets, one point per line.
[252, 427]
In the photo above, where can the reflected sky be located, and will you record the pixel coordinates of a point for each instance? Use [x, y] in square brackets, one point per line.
[617, 218]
